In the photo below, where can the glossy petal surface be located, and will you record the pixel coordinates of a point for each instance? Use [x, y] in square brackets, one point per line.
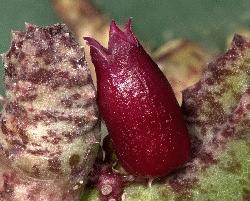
[138, 106]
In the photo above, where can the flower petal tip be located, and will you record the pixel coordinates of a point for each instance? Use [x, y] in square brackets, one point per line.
[129, 33]
[117, 36]
[96, 45]
[114, 29]
[128, 26]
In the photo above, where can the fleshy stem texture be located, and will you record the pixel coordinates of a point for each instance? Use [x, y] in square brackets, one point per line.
[49, 128]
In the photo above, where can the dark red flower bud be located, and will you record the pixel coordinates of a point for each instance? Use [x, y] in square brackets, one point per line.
[139, 107]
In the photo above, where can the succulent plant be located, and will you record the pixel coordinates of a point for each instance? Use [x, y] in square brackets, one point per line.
[217, 114]
[49, 127]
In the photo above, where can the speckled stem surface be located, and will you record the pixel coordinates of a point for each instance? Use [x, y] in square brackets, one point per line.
[49, 127]
[217, 112]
